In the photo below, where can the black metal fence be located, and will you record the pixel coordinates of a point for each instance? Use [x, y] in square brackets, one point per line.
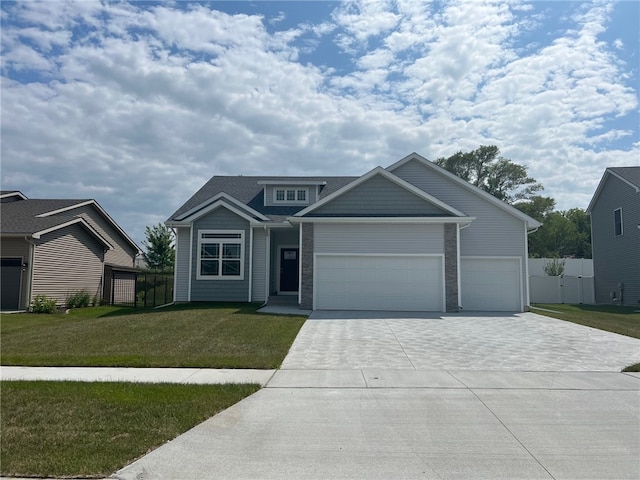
[153, 289]
[137, 289]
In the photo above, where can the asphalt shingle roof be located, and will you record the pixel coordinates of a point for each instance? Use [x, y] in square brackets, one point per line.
[21, 217]
[248, 191]
[630, 174]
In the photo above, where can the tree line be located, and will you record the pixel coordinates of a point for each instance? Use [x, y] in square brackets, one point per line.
[562, 234]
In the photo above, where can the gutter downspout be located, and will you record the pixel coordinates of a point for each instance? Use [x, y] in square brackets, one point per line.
[175, 258]
[250, 286]
[268, 266]
[32, 256]
[460, 228]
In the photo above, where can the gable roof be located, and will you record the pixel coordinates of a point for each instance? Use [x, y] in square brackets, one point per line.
[249, 192]
[34, 217]
[627, 175]
[530, 222]
[389, 176]
[11, 195]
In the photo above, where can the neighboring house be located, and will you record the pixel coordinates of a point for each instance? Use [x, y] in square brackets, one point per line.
[58, 247]
[615, 236]
[410, 237]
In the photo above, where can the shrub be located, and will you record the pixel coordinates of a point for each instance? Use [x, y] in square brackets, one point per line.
[554, 268]
[43, 304]
[79, 299]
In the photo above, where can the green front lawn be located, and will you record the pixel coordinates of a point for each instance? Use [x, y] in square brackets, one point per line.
[55, 429]
[611, 318]
[188, 335]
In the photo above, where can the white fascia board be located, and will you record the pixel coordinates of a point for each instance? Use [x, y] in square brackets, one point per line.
[210, 208]
[531, 222]
[422, 194]
[389, 176]
[79, 220]
[102, 212]
[392, 220]
[603, 180]
[291, 182]
[14, 194]
[65, 209]
[196, 212]
[622, 179]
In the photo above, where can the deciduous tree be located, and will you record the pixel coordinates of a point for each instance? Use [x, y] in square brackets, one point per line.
[486, 169]
[160, 251]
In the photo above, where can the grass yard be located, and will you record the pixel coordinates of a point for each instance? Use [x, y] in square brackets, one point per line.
[187, 335]
[56, 429]
[611, 318]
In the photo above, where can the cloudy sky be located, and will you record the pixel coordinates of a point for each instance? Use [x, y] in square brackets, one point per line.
[137, 104]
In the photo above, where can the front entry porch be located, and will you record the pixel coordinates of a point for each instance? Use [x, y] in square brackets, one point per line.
[284, 305]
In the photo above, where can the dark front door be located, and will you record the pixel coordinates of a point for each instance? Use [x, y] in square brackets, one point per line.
[11, 275]
[289, 265]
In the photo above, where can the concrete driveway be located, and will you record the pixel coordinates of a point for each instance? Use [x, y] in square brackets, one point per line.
[363, 396]
[424, 341]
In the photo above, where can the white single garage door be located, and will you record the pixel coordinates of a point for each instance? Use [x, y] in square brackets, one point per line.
[490, 284]
[379, 282]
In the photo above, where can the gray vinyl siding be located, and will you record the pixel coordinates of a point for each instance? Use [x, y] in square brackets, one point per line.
[378, 196]
[312, 194]
[219, 290]
[379, 238]
[18, 248]
[122, 253]
[181, 270]
[259, 274]
[67, 261]
[616, 259]
[494, 233]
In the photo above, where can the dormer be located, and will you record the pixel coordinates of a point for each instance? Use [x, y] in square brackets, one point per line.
[291, 192]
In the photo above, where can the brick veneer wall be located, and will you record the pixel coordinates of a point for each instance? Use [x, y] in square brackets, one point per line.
[307, 266]
[451, 267]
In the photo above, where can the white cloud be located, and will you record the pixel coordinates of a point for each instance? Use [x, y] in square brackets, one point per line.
[150, 102]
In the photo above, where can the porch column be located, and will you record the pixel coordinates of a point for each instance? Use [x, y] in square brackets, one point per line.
[451, 267]
[306, 281]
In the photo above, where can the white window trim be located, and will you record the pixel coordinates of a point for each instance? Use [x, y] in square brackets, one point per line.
[621, 222]
[240, 240]
[291, 202]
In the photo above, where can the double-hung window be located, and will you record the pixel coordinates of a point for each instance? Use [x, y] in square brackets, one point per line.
[220, 255]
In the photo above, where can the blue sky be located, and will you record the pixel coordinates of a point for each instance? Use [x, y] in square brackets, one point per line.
[137, 104]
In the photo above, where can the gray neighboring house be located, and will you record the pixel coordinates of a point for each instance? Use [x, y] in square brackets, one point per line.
[615, 236]
[411, 237]
[57, 247]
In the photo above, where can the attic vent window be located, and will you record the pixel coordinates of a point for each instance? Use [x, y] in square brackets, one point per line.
[291, 195]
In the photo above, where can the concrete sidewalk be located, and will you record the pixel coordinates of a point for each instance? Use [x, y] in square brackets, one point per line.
[143, 375]
[401, 424]
[431, 396]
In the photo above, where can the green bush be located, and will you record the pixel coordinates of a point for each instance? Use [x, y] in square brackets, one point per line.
[554, 268]
[43, 304]
[79, 299]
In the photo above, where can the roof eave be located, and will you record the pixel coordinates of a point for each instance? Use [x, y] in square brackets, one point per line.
[531, 222]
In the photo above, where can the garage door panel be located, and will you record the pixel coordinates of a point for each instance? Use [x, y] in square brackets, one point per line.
[490, 284]
[352, 282]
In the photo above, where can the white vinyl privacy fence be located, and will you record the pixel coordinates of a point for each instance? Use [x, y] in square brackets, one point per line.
[575, 286]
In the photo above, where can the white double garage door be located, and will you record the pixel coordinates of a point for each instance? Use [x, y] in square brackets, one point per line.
[413, 283]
